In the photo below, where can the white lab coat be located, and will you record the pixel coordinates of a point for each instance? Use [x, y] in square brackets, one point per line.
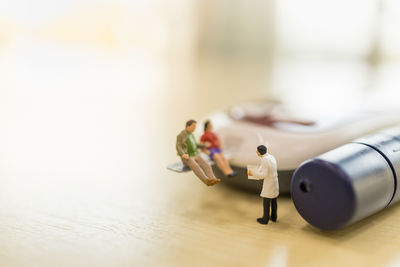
[267, 170]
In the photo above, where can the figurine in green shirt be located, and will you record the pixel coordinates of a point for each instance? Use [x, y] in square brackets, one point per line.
[187, 149]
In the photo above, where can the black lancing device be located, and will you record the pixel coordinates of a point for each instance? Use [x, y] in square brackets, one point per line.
[349, 183]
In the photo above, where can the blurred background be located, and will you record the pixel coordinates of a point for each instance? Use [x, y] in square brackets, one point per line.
[287, 49]
[93, 94]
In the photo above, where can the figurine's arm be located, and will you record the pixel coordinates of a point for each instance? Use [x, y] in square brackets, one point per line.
[201, 146]
[218, 141]
[204, 142]
[179, 146]
[261, 172]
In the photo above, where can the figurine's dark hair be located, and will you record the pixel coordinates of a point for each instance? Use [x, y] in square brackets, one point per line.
[190, 122]
[206, 125]
[262, 149]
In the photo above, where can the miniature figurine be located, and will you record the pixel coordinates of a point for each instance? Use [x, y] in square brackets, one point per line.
[267, 170]
[213, 145]
[186, 147]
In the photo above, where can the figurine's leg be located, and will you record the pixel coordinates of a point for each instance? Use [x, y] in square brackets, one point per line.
[265, 218]
[221, 164]
[274, 209]
[226, 163]
[192, 164]
[206, 168]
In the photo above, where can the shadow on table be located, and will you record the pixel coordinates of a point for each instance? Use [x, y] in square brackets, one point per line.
[370, 242]
[357, 228]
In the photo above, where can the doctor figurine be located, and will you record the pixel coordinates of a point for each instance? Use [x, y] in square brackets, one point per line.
[267, 170]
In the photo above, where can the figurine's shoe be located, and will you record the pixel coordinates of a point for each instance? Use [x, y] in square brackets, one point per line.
[262, 220]
[273, 219]
[208, 182]
[232, 174]
[215, 181]
[212, 182]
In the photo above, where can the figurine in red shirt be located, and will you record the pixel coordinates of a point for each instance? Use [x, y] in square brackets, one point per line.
[211, 141]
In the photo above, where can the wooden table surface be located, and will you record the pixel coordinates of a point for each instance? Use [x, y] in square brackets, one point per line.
[83, 179]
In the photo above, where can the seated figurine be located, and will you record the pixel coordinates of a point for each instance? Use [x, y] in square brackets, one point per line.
[213, 145]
